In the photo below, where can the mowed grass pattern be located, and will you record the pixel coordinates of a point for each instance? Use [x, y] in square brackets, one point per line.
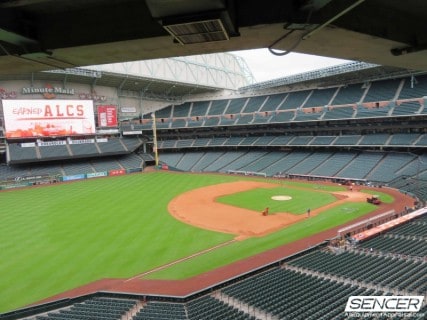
[55, 238]
[243, 249]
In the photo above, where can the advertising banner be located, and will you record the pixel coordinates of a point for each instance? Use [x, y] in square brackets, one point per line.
[117, 172]
[128, 109]
[96, 174]
[107, 116]
[48, 118]
[73, 177]
[14, 186]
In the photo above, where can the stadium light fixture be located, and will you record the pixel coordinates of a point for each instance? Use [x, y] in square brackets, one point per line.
[195, 21]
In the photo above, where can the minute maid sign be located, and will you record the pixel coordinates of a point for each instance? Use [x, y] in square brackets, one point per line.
[48, 92]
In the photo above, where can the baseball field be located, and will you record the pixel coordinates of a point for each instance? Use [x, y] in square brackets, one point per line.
[57, 237]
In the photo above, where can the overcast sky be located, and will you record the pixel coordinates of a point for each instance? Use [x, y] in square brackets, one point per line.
[266, 66]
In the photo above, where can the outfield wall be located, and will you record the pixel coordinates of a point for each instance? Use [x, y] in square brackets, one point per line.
[28, 181]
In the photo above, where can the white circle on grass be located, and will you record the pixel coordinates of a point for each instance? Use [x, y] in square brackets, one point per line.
[281, 198]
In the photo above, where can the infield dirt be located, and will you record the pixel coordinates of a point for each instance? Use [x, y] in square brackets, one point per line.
[199, 207]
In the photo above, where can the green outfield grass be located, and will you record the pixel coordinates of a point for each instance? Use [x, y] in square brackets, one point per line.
[260, 198]
[243, 249]
[57, 237]
[314, 186]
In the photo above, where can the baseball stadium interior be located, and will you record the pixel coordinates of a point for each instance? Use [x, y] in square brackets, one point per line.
[157, 91]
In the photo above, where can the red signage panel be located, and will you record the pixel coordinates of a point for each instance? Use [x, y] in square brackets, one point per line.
[107, 116]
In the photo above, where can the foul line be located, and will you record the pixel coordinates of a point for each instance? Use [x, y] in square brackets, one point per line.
[165, 266]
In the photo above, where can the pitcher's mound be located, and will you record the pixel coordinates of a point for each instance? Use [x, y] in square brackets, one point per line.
[281, 198]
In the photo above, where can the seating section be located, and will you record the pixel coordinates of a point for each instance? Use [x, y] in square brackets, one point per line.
[334, 164]
[403, 139]
[383, 98]
[227, 120]
[387, 168]
[281, 140]
[42, 168]
[414, 87]
[244, 119]
[188, 160]
[262, 163]
[170, 158]
[218, 107]
[366, 112]
[131, 161]
[384, 90]
[210, 308]
[308, 115]
[264, 140]
[273, 102]
[69, 150]
[21, 154]
[287, 294]
[283, 116]
[310, 163]
[225, 161]
[339, 113]
[378, 139]
[199, 108]
[407, 139]
[54, 152]
[287, 162]
[207, 159]
[415, 228]
[105, 164]
[161, 311]
[185, 143]
[387, 271]
[162, 113]
[95, 308]
[360, 166]
[181, 111]
[414, 246]
[300, 141]
[77, 167]
[383, 167]
[320, 98]
[235, 106]
[131, 144]
[322, 140]
[84, 149]
[294, 100]
[406, 108]
[112, 146]
[422, 141]
[347, 140]
[10, 172]
[254, 104]
[243, 160]
[349, 94]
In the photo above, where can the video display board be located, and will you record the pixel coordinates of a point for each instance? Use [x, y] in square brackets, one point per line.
[107, 116]
[48, 118]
